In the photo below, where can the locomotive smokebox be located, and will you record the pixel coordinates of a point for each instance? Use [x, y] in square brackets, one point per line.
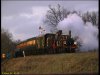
[70, 33]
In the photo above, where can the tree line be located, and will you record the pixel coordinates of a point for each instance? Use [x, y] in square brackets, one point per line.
[7, 42]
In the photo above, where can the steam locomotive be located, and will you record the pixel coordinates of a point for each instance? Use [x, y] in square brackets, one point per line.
[46, 44]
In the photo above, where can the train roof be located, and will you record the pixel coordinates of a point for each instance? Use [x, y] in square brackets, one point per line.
[27, 40]
[47, 34]
[65, 35]
[36, 37]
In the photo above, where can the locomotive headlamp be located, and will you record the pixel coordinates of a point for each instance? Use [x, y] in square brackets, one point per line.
[3, 56]
[75, 43]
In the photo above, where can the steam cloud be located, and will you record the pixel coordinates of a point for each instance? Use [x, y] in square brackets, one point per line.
[87, 33]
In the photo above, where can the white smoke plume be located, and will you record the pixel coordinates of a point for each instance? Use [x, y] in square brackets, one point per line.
[87, 33]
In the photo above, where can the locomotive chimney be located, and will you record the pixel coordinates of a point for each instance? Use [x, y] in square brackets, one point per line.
[59, 32]
[69, 33]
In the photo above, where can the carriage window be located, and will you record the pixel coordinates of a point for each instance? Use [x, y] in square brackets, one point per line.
[66, 37]
[47, 40]
[56, 36]
[64, 42]
[34, 42]
[30, 43]
[38, 44]
[42, 42]
[57, 43]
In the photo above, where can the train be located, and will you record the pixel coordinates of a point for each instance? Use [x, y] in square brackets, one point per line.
[48, 43]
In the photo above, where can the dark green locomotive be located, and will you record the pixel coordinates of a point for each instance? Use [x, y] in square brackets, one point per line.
[48, 43]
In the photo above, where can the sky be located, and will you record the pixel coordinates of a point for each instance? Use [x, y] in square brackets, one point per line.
[23, 18]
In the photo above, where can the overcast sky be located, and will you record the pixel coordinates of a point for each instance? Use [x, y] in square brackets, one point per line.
[23, 18]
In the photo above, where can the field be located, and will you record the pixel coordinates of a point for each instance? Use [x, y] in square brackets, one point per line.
[66, 63]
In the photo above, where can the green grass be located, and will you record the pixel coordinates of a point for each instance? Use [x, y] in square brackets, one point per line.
[54, 64]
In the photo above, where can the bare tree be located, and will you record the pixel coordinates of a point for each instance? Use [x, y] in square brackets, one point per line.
[90, 17]
[55, 15]
[94, 18]
[6, 41]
